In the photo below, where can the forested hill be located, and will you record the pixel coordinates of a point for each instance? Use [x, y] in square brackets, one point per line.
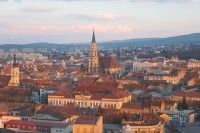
[183, 39]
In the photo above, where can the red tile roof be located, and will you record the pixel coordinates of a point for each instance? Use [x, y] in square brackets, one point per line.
[117, 95]
[192, 94]
[96, 96]
[4, 80]
[86, 120]
[94, 89]
[108, 62]
[7, 71]
[135, 105]
[20, 122]
[34, 124]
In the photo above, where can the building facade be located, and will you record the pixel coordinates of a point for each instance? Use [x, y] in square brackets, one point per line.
[86, 100]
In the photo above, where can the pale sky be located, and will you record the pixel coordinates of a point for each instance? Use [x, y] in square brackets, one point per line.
[67, 21]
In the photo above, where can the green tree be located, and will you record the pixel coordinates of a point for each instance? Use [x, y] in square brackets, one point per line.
[99, 111]
[124, 116]
[82, 66]
[179, 106]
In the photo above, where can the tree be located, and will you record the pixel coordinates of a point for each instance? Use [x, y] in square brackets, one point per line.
[82, 66]
[99, 111]
[184, 104]
[124, 116]
[179, 106]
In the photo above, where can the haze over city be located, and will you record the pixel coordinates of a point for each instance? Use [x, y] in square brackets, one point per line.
[68, 21]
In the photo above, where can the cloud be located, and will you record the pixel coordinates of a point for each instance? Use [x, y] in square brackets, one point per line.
[39, 9]
[90, 17]
[13, 0]
[19, 1]
[157, 1]
[119, 29]
[162, 1]
[15, 28]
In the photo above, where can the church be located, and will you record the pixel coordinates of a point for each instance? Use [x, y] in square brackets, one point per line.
[104, 65]
[11, 79]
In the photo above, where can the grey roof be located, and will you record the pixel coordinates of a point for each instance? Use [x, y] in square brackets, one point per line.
[93, 38]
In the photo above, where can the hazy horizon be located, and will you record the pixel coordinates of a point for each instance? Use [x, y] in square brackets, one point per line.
[72, 21]
[88, 42]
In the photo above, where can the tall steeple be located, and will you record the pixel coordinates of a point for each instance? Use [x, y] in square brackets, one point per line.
[93, 37]
[93, 62]
[14, 62]
[14, 81]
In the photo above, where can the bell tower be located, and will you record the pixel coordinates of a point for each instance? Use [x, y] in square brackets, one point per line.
[93, 62]
[14, 81]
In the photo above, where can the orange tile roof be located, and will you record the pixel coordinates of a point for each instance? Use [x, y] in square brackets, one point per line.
[108, 62]
[4, 80]
[7, 70]
[135, 105]
[193, 94]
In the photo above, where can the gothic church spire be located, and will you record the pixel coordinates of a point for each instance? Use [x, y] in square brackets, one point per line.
[93, 38]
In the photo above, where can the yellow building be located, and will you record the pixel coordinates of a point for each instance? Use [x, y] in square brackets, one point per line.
[86, 99]
[14, 81]
[93, 62]
[189, 95]
[88, 124]
[194, 64]
[147, 123]
[173, 78]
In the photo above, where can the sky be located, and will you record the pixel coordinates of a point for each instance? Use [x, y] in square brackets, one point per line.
[72, 21]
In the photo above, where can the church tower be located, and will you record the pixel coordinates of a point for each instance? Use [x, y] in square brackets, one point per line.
[93, 62]
[14, 81]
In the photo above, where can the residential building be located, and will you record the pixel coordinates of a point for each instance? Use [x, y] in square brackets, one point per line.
[88, 124]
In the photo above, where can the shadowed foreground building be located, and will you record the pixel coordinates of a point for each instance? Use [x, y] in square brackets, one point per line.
[88, 124]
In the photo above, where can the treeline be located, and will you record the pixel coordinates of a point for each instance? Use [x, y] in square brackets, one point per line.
[189, 54]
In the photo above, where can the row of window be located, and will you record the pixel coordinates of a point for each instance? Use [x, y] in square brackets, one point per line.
[26, 127]
[56, 102]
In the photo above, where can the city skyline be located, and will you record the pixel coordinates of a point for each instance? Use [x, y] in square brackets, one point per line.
[70, 21]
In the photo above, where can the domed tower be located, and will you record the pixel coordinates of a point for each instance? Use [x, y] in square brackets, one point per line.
[14, 81]
[93, 62]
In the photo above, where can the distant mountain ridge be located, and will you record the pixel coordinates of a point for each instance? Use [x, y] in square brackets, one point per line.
[182, 39]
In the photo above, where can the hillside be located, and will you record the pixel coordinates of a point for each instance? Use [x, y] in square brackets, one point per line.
[183, 39]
